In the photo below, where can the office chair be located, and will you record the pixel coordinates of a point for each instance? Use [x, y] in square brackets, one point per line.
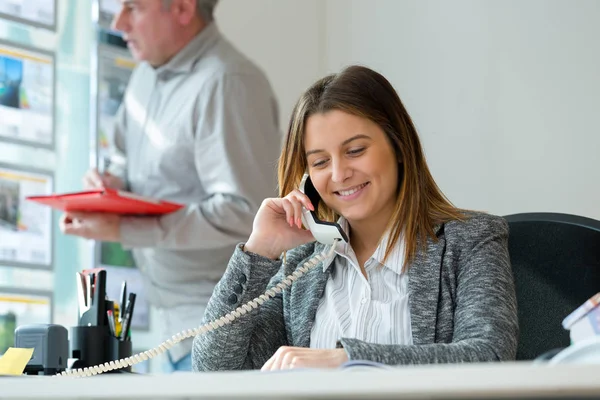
[556, 265]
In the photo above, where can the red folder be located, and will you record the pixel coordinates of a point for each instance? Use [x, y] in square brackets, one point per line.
[107, 200]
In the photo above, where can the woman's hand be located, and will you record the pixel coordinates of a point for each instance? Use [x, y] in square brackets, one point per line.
[299, 357]
[278, 225]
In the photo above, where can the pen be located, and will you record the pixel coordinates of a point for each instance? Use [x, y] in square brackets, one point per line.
[111, 322]
[92, 288]
[88, 290]
[81, 295]
[117, 318]
[104, 165]
[123, 298]
[127, 316]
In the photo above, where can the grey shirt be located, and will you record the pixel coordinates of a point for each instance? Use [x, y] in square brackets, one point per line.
[461, 297]
[201, 130]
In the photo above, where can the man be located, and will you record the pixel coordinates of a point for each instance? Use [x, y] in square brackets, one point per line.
[198, 125]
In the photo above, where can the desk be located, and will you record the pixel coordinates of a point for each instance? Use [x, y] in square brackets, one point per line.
[489, 381]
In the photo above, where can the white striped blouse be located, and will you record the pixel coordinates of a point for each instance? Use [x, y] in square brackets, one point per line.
[374, 309]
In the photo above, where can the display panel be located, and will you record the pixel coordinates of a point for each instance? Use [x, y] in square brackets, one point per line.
[26, 96]
[114, 70]
[40, 13]
[115, 66]
[108, 10]
[25, 226]
[20, 307]
[115, 276]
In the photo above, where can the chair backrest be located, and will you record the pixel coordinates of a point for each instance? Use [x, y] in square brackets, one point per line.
[556, 264]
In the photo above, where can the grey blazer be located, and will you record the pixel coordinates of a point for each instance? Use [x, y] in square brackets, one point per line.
[461, 296]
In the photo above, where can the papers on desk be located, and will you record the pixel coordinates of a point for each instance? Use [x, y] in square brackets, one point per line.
[352, 365]
[584, 322]
[13, 362]
[364, 365]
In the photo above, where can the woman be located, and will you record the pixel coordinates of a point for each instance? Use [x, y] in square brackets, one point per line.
[420, 281]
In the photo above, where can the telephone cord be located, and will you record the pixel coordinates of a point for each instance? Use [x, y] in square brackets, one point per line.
[210, 326]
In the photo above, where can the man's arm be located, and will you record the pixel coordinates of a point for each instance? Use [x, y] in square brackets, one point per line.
[236, 147]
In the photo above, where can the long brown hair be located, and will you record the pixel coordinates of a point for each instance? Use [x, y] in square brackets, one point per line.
[360, 91]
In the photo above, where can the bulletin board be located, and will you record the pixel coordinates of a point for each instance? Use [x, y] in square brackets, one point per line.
[108, 9]
[25, 227]
[27, 95]
[22, 307]
[38, 13]
[114, 68]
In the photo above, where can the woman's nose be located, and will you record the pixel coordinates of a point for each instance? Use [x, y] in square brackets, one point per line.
[340, 171]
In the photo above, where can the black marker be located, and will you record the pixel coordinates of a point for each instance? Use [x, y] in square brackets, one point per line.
[127, 316]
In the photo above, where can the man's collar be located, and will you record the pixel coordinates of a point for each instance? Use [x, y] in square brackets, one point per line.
[186, 58]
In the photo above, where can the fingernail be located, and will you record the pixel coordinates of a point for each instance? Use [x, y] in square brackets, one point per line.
[299, 222]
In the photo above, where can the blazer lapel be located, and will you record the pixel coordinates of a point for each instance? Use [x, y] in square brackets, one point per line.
[424, 290]
[307, 291]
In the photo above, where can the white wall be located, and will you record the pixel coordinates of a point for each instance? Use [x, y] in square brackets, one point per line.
[505, 93]
[281, 36]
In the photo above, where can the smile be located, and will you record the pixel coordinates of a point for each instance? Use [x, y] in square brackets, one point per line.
[351, 191]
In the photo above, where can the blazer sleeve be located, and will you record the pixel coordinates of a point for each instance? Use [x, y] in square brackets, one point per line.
[249, 341]
[485, 315]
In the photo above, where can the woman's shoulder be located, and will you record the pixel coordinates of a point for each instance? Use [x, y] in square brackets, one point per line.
[475, 226]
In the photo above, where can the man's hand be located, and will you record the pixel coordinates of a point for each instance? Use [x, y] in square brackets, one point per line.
[94, 180]
[105, 227]
[299, 357]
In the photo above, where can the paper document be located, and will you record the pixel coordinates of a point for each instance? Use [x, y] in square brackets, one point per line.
[13, 362]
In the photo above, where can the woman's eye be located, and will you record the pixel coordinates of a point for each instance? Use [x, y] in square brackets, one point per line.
[319, 163]
[355, 152]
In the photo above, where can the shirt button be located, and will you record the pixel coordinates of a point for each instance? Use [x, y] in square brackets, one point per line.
[232, 299]
[242, 279]
[363, 301]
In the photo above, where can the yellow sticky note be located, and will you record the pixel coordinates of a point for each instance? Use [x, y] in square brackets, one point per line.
[13, 362]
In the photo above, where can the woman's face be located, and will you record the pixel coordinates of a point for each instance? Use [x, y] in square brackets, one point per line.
[352, 165]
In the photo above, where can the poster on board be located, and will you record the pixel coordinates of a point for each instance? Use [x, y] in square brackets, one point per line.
[115, 66]
[115, 276]
[26, 96]
[108, 10]
[41, 13]
[25, 226]
[21, 307]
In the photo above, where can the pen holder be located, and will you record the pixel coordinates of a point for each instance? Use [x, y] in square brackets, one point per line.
[94, 345]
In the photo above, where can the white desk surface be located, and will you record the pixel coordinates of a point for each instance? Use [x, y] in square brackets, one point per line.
[494, 380]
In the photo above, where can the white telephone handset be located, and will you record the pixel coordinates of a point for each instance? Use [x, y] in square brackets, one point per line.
[323, 231]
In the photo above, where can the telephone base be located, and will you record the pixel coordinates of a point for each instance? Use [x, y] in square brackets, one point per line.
[43, 371]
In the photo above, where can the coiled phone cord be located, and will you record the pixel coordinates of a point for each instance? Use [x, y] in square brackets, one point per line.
[215, 324]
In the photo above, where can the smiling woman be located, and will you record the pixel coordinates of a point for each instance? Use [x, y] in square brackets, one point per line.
[420, 280]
